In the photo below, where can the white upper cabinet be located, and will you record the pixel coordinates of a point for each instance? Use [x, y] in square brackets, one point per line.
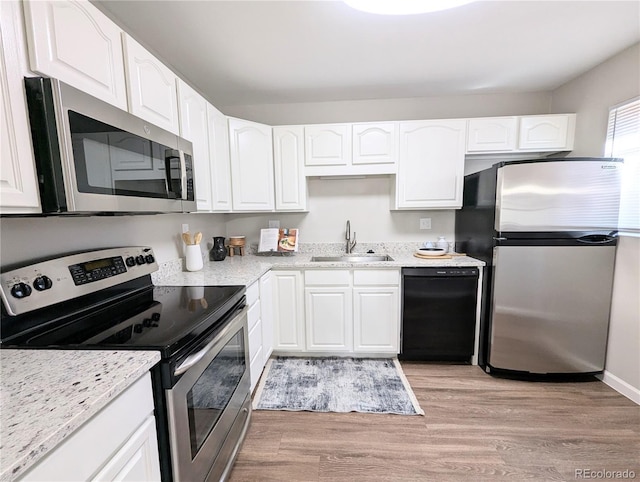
[431, 164]
[251, 150]
[18, 182]
[375, 143]
[351, 149]
[220, 164]
[151, 87]
[74, 42]
[288, 158]
[327, 144]
[492, 134]
[547, 132]
[193, 127]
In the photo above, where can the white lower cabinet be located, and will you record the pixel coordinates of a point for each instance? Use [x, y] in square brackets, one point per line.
[260, 324]
[288, 311]
[328, 318]
[266, 310]
[345, 311]
[118, 443]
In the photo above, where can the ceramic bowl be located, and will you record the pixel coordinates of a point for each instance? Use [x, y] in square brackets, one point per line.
[431, 251]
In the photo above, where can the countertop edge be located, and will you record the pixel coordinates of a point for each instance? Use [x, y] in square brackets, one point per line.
[16, 468]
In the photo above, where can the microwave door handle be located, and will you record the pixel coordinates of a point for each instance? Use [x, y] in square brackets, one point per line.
[170, 154]
[183, 175]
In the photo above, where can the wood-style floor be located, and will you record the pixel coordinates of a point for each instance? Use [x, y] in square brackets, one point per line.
[476, 427]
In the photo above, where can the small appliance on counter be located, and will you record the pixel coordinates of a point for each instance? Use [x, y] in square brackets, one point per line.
[105, 299]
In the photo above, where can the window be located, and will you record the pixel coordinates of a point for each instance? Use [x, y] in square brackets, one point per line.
[623, 140]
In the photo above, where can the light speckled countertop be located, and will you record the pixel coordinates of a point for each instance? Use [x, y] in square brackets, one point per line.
[47, 394]
[244, 270]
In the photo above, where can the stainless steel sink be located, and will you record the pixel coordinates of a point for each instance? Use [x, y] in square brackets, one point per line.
[352, 258]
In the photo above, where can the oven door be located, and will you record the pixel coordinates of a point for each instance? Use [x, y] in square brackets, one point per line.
[208, 403]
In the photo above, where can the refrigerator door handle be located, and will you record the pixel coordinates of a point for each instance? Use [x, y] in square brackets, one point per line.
[596, 239]
[499, 238]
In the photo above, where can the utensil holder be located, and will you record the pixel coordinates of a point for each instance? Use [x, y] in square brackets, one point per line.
[193, 256]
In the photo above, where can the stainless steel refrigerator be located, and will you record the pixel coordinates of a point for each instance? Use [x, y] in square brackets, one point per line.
[547, 231]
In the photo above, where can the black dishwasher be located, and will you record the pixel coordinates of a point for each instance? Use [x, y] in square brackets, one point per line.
[438, 314]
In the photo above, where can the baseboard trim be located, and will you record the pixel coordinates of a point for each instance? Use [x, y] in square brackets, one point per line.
[620, 386]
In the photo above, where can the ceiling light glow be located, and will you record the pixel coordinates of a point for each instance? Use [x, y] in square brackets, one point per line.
[404, 7]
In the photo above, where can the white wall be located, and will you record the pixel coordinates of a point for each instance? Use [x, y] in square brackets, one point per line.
[590, 96]
[443, 107]
[24, 239]
[365, 202]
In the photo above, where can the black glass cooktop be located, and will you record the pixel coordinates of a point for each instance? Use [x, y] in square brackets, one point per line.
[165, 318]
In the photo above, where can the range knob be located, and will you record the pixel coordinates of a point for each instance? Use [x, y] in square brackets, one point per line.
[20, 290]
[140, 259]
[137, 328]
[130, 261]
[42, 283]
[149, 258]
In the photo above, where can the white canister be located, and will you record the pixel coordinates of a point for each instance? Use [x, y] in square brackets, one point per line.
[442, 243]
[193, 256]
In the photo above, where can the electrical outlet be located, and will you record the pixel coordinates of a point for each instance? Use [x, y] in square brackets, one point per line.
[425, 223]
[185, 228]
[274, 223]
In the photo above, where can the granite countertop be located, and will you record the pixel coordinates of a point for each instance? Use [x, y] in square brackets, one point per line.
[47, 394]
[244, 270]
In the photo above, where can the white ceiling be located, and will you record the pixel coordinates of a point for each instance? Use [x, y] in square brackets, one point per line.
[239, 52]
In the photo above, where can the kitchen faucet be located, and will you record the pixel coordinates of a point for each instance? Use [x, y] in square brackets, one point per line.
[350, 245]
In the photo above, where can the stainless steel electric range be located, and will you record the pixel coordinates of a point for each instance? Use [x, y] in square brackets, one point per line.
[105, 299]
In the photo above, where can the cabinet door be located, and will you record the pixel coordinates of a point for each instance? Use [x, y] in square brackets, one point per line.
[545, 132]
[137, 460]
[251, 147]
[73, 41]
[376, 319]
[431, 164]
[288, 311]
[266, 305]
[18, 183]
[151, 87]
[492, 134]
[329, 322]
[193, 127]
[375, 143]
[256, 354]
[327, 145]
[220, 164]
[288, 158]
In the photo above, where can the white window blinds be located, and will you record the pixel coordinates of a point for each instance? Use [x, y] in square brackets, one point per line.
[623, 140]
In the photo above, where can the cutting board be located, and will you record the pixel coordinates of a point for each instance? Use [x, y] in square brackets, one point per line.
[423, 256]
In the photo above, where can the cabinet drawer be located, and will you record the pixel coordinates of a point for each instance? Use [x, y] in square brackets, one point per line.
[333, 277]
[365, 277]
[252, 293]
[253, 315]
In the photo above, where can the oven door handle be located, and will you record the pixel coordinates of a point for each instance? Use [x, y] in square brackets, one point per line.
[192, 360]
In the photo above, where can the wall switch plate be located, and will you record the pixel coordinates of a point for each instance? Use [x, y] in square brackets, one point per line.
[274, 223]
[185, 228]
[425, 223]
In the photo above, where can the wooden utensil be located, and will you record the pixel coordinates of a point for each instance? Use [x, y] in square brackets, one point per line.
[197, 238]
[186, 237]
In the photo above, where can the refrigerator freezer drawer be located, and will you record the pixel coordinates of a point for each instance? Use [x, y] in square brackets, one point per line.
[558, 196]
[550, 308]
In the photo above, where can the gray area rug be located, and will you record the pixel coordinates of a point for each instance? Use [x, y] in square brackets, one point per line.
[333, 384]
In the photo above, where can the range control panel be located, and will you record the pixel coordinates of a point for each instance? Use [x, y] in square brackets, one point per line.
[48, 282]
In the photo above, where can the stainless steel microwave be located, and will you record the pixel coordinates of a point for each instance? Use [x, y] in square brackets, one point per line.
[92, 157]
